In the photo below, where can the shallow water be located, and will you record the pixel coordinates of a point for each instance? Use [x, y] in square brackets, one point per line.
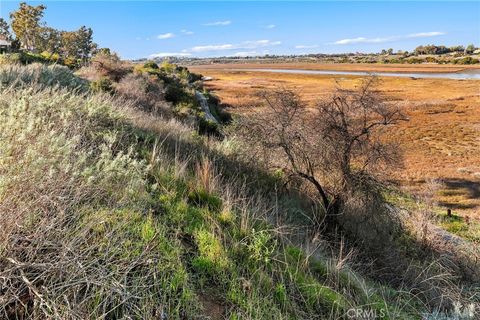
[464, 75]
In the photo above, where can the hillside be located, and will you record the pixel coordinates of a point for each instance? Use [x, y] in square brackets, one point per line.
[119, 199]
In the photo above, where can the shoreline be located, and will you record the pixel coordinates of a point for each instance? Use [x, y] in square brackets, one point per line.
[348, 67]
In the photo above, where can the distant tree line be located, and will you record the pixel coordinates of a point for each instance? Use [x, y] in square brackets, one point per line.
[433, 49]
[28, 33]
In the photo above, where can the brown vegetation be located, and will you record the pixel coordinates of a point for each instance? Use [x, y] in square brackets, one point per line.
[336, 146]
[440, 140]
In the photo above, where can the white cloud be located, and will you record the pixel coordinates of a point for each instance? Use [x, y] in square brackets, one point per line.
[301, 46]
[263, 43]
[218, 23]
[363, 40]
[187, 32]
[245, 53]
[389, 39]
[425, 34]
[170, 54]
[213, 47]
[270, 26]
[229, 46]
[165, 36]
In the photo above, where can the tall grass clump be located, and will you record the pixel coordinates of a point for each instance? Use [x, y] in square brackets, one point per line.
[77, 242]
[40, 76]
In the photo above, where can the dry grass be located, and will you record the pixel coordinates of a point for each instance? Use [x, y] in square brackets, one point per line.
[441, 140]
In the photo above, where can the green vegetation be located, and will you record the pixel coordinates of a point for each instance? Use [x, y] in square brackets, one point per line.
[461, 226]
[455, 224]
[180, 88]
[102, 84]
[433, 49]
[41, 43]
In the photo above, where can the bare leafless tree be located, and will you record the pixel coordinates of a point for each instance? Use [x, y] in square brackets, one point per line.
[334, 146]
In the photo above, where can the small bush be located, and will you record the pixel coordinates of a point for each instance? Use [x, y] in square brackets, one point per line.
[10, 58]
[28, 57]
[212, 260]
[71, 62]
[168, 67]
[175, 93]
[104, 65]
[466, 60]
[145, 91]
[195, 77]
[102, 85]
[151, 65]
[207, 127]
[414, 60]
[261, 246]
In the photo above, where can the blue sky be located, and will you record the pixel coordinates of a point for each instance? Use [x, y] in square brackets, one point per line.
[137, 29]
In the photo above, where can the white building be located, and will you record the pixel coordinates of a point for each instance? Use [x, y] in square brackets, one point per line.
[5, 45]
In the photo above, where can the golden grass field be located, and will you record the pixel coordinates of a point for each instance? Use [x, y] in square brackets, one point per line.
[440, 141]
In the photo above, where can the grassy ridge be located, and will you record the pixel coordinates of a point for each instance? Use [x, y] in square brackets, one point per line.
[116, 212]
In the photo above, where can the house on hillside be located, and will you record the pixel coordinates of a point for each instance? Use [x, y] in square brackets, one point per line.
[5, 45]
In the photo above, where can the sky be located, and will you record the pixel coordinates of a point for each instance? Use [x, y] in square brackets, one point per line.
[142, 29]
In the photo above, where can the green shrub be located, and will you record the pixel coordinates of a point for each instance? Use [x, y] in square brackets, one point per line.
[175, 93]
[212, 260]
[466, 60]
[185, 109]
[151, 65]
[261, 247]
[102, 85]
[193, 77]
[414, 60]
[207, 127]
[51, 57]
[28, 57]
[10, 58]
[168, 67]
